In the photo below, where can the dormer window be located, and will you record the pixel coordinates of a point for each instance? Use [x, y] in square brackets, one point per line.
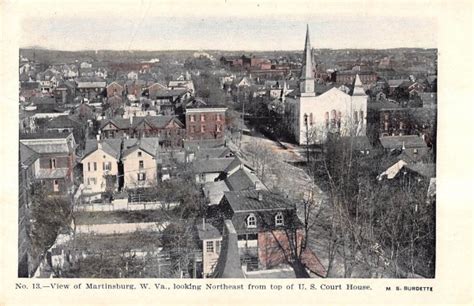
[279, 219]
[251, 221]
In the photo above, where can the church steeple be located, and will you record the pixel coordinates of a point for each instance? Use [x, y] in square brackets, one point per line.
[307, 77]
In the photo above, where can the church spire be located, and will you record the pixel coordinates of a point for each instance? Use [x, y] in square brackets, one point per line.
[307, 77]
[308, 58]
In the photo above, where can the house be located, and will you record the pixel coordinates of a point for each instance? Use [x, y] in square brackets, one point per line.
[100, 165]
[28, 158]
[153, 90]
[205, 123]
[410, 148]
[62, 124]
[210, 240]
[56, 160]
[114, 89]
[187, 85]
[261, 220]
[233, 179]
[333, 111]
[168, 129]
[139, 158]
[91, 88]
[210, 169]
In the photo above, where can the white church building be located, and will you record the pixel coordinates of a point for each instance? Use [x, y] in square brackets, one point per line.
[314, 116]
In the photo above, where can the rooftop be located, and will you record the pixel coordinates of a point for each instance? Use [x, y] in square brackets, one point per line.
[248, 200]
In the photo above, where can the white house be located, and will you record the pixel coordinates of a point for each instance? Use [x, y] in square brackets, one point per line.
[332, 111]
[100, 165]
[139, 162]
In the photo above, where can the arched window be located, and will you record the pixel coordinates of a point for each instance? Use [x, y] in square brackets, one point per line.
[279, 219]
[251, 221]
[339, 118]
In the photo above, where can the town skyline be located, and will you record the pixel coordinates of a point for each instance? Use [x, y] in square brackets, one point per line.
[218, 26]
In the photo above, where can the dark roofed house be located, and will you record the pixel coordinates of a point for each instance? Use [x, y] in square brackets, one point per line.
[169, 129]
[262, 221]
[55, 160]
[62, 124]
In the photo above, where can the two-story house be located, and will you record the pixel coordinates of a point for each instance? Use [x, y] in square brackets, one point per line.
[100, 165]
[56, 161]
[139, 158]
[262, 221]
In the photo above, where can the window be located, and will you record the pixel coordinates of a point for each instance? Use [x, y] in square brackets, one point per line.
[55, 186]
[193, 129]
[107, 166]
[95, 166]
[356, 117]
[91, 181]
[311, 119]
[333, 117]
[279, 219]
[361, 117]
[339, 118]
[203, 117]
[139, 154]
[203, 128]
[219, 117]
[192, 118]
[251, 221]
[218, 246]
[140, 164]
[218, 128]
[209, 246]
[326, 119]
[141, 177]
[88, 166]
[52, 163]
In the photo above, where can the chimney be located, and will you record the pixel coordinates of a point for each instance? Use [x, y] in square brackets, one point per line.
[403, 146]
[203, 224]
[260, 196]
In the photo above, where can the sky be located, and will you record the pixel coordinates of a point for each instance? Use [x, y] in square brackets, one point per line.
[226, 25]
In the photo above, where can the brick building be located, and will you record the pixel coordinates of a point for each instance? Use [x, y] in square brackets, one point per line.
[205, 123]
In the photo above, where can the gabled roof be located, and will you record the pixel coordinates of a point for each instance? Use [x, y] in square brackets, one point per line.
[207, 231]
[110, 146]
[248, 200]
[158, 122]
[203, 153]
[149, 145]
[27, 155]
[46, 143]
[62, 122]
[408, 141]
[212, 165]
[426, 170]
[170, 93]
[243, 180]
[120, 123]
